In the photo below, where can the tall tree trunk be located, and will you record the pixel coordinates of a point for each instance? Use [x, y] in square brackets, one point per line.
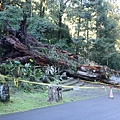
[42, 8]
[79, 26]
[87, 38]
[61, 9]
[59, 25]
[30, 8]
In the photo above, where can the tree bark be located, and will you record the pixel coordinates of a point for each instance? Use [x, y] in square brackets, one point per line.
[60, 25]
[54, 93]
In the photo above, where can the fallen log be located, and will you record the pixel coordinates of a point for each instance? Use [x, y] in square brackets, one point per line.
[23, 59]
[20, 45]
[10, 42]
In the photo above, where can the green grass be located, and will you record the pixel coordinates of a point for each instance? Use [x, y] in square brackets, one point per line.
[23, 101]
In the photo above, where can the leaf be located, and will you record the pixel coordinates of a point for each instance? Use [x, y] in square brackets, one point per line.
[17, 62]
[31, 60]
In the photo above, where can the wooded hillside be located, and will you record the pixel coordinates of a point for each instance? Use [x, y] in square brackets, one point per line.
[64, 34]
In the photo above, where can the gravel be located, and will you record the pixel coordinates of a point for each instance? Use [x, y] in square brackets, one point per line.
[94, 90]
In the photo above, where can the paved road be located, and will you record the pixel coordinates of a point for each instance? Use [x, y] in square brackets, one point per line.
[101, 108]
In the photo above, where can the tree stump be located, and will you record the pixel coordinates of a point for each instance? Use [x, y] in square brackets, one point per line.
[54, 93]
[4, 92]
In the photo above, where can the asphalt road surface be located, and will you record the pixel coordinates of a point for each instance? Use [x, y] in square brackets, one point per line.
[101, 108]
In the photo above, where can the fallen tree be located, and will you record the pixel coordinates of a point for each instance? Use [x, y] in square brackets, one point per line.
[94, 73]
[19, 45]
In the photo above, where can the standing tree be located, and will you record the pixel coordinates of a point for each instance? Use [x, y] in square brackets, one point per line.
[57, 9]
[103, 50]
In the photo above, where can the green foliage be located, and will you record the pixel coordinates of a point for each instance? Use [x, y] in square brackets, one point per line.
[16, 69]
[13, 14]
[62, 44]
[78, 46]
[103, 50]
[6, 69]
[43, 30]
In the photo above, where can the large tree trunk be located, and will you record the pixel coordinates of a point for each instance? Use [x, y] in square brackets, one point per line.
[60, 25]
[20, 45]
